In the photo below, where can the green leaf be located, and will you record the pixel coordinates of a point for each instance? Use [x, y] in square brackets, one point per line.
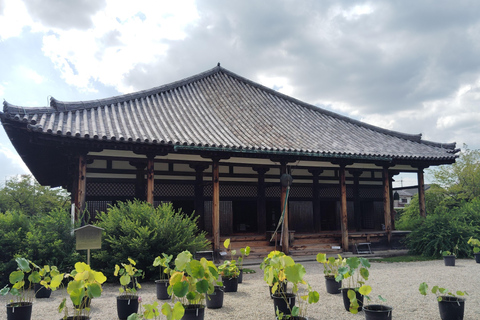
[295, 273]
[180, 289]
[178, 311]
[94, 290]
[16, 276]
[196, 269]
[313, 297]
[125, 279]
[34, 277]
[423, 288]
[202, 286]
[4, 291]
[23, 264]
[295, 311]
[226, 243]
[364, 273]
[365, 290]
[182, 259]
[322, 258]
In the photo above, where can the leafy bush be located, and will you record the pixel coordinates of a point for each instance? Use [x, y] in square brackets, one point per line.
[14, 226]
[50, 241]
[137, 230]
[446, 229]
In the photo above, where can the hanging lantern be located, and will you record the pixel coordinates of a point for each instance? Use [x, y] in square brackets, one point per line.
[286, 180]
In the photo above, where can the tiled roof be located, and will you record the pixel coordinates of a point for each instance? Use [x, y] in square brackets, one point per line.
[220, 109]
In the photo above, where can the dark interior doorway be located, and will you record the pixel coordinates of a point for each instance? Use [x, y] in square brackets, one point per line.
[244, 216]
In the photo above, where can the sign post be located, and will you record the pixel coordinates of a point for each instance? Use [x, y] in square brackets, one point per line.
[88, 237]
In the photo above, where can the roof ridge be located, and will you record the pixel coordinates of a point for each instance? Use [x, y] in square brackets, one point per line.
[75, 105]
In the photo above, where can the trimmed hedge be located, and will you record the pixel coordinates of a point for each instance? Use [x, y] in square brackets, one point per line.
[137, 230]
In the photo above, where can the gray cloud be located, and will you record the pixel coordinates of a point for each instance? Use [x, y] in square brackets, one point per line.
[64, 14]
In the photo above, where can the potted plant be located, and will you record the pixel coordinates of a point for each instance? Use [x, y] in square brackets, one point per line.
[127, 301]
[449, 257]
[450, 305]
[244, 252]
[49, 280]
[475, 243]
[84, 285]
[330, 271]
[189, 282]
[215, 299]
[280, 270]
[229, 270]
[376, 311]
[162, 284]
[21, 306]
[151, 312]
[353, 276]
[270, 273]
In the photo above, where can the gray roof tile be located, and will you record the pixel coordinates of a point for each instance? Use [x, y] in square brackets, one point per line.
[219, 108]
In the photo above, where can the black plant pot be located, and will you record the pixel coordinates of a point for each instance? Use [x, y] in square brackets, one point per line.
[346, 301]
[240, 276]
[284, 302]
[449, 261]
[230, 284]
[194, 312]
[126, 305]
[377, 312]
[333, 287]
[477, 257]
[41, 292]
[162, 286]
[215, 300]
[281, 288]
[451, 308]
[19, 311]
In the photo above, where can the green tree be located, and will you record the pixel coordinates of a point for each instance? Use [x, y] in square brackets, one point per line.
[25, 194]
[461, 179]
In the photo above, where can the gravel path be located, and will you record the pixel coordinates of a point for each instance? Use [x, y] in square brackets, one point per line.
[397, 282]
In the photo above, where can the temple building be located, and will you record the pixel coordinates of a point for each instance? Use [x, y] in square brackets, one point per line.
[217, 144]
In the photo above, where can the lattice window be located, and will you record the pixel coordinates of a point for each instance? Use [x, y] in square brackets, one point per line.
[97, 206]
[300, 192]
[120, 189]
[329, 192]
[174, 190]
[273, 191]
[232, 191]
[369, 193]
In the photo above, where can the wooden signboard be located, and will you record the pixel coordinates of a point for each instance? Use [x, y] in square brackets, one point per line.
[88, 237]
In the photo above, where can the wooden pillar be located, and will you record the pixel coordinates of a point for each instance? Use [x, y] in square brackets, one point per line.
[80, 186]
[150, 179]
[140, 180]
[317, 215]
[261, 201]
[421, 193]
[216, 206]
[392, 209]
[198, 202]
[343, 208]
[357, 208]
[284, 207]
[386, 203]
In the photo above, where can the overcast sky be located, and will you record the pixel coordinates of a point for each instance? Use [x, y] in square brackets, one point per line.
[411, 66]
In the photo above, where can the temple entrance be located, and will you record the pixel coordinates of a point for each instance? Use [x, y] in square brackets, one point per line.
[244, 216]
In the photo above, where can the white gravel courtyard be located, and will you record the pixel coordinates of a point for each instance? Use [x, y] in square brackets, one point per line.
[397, 282]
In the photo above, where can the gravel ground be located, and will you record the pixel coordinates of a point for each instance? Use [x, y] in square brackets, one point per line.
[397, 282]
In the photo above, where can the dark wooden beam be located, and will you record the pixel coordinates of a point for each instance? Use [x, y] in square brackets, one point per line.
[421, 193]
[261, 200]
[216, 206]
[81, 186]
[198, 202]
[284, 208]
[150, 179]
[316, 204]
[343, 208]
[386, 203]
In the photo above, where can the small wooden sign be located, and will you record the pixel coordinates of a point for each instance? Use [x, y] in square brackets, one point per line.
[88, 237]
